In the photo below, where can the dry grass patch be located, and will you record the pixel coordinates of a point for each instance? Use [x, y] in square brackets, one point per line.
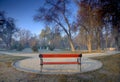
[10, 74]
[110, 72]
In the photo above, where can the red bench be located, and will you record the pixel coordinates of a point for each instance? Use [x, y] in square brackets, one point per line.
[42, 56]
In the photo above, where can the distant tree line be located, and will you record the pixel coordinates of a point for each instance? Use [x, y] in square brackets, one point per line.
[94, 25]
[12, 37]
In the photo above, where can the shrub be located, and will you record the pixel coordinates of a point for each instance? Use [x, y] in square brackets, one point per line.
[19, 47]
[35, 49]
[14, 46]
[51, 47]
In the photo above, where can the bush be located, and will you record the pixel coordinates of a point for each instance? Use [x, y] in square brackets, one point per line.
[19, 47]
[35, 48]
[14, 46]
[51, 47]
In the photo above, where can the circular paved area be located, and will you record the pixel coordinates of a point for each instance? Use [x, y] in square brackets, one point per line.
[33, 64]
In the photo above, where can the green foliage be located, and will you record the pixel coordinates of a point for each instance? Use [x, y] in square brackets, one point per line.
[14, 46]
[19, 47]
[51, 47]
[35, 48]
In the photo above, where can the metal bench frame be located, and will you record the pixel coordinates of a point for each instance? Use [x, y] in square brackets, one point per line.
[41, 56]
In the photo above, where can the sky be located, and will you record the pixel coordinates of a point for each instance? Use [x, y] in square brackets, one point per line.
[23, 12]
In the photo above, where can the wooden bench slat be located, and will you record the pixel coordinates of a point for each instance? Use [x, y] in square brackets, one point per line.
[61, 63]
[60, 55]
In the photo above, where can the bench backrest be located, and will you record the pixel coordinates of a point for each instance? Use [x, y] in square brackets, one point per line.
[60, 55]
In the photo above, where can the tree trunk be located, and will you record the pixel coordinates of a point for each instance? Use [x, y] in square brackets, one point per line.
[106, 41]
[116, 31]
[89, 45]
[98, 40]
[98, 45]
[71, 44]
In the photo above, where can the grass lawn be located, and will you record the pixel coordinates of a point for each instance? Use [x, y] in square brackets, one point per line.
[110, 72]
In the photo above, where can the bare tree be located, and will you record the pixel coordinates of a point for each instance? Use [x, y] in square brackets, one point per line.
[7, 29]
[57, 12]
[111, 9]
[45, 36]
[89, 18]
[85, 18]
[24, 37]
[33, 41]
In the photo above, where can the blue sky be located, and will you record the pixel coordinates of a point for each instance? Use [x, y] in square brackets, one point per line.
[23, 11]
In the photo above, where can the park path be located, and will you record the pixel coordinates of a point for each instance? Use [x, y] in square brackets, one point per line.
[32, 64]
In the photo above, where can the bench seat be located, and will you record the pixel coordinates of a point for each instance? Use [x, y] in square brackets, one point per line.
[60, 63]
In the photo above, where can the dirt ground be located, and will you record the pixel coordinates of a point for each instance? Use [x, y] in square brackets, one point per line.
[110, 72]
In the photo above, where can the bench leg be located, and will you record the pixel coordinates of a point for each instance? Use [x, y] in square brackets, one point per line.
[41, 64]
[80, 64]
[41, 67]
[79, 61]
